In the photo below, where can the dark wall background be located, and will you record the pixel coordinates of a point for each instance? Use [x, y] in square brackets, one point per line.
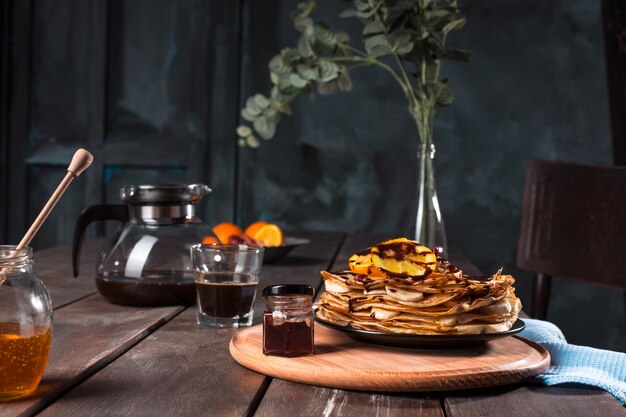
[153, 89]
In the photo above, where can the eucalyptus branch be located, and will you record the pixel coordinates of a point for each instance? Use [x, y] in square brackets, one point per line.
[367, 60]
[408, 88]
[412, 31]
[413, 101]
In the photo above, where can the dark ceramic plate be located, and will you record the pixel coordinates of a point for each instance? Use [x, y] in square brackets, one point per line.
[422, 341]
[272, 254]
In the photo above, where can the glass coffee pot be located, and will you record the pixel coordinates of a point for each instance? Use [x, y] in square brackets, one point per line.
[147, 261]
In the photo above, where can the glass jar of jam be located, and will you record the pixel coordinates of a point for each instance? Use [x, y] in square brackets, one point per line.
[288, 320]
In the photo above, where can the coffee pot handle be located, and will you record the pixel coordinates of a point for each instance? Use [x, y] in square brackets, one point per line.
[91, 214]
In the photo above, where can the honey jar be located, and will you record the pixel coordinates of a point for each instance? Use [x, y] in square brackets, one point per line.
[288, 320]
[25, 324]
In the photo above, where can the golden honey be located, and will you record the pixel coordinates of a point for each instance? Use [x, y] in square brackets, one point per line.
[23, 358]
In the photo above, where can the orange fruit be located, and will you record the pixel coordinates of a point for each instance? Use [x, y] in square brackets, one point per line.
[209, 240]
[404, 257]
[267, 234]
[254, 228]
[225, 230]
[361, 263]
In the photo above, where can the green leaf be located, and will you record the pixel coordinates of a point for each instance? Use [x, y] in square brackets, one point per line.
[306, 9]
[348, 13]
[442, 18]
[443, 94]
[261, 101]
[400, 21]
[342, 37]
[456, 55]
[377, 46]
[303, 23]
[455, 24]
[285, 86]
[405, 49]
[325, 36]
[290, 55]
[328, 70]
[435, 45]
[247, 116]
[252, 141]
[241, 142]
[366, 15]
[244, 131]
[297, 81]
[304, 47]
[434, 15]
[373, 28]
[277, 65]
[362, 5]
[280, 106]
[344, 82]
[401, 41]
[307, 73]
[272, 115]
[252, 107]
[264, 127]
[276, 95]
[327, 88]
[384, 11]
[416, 55]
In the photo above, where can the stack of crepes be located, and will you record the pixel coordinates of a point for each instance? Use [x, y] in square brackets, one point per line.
[400, 286]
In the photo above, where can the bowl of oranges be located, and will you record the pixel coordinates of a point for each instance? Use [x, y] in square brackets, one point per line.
[260, 233]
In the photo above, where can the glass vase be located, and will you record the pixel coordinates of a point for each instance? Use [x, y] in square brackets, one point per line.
[428, 228]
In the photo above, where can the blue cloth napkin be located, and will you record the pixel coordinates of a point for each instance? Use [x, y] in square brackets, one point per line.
[577, 364]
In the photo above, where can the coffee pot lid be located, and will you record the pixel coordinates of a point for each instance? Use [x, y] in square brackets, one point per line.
[163, 193]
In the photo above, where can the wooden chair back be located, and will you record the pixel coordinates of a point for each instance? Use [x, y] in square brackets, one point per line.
[573, 226]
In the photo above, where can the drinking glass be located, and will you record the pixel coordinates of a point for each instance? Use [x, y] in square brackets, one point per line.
[226, 278]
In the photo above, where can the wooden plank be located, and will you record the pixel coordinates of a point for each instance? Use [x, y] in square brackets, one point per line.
[184, 369]
[291, 399]
[533, 400]
[294, 399]
[88, 335]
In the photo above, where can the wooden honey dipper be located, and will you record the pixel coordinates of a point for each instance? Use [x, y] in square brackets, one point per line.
[80, 162]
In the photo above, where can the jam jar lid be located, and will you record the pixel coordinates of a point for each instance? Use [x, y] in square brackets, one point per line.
[163, 193]
[288, 289]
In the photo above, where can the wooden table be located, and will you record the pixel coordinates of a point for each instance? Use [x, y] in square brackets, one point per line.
[114, 360]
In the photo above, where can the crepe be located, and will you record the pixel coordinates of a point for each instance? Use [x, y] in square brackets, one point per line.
[440, 301]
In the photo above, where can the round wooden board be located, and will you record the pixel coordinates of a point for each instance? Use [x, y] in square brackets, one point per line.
[341, 362]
